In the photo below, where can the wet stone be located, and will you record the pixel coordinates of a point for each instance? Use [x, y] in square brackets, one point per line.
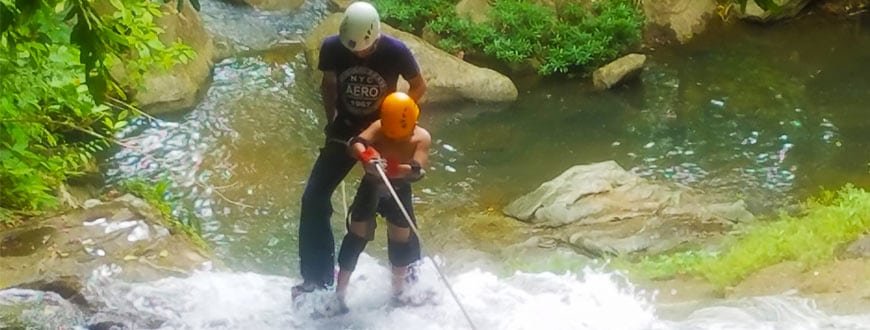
[25, 242]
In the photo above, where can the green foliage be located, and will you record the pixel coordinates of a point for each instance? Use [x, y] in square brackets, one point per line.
[829, 222]
[413, 15]
[570, 38]
[55, 57]
[157, 194]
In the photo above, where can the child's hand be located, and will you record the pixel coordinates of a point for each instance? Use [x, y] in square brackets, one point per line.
[371, 167]
[368, 155]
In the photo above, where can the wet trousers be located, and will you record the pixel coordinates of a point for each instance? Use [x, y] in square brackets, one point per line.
[316, 242]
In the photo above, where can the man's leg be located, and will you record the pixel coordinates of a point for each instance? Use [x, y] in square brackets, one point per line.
[316, 243]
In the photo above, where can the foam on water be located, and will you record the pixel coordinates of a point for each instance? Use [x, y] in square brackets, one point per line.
[217, 300]
[590, 300]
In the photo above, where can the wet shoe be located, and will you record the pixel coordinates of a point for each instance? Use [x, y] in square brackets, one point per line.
[306, 287]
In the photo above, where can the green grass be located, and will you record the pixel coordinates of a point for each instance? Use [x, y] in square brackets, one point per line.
[828, 224]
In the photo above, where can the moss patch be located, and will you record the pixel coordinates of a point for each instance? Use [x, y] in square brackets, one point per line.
[826, 226]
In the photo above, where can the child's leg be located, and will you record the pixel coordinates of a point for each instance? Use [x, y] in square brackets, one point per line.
[403, 246]
[402, 253]
[360, 230]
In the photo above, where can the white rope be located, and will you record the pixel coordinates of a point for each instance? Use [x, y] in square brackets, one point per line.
[344, 200]
[420, 239]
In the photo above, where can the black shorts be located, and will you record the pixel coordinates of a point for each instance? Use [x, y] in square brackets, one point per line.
[373, 197]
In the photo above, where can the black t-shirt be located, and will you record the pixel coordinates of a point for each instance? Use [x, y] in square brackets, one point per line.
[364, 82]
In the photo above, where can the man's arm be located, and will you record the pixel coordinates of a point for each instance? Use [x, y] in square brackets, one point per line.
[417, 87]
[329, 93]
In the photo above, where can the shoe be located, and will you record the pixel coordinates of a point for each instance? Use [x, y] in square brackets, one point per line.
[306, 287]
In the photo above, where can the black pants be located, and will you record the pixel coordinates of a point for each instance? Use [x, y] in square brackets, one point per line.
[372, 197]
[316, 242]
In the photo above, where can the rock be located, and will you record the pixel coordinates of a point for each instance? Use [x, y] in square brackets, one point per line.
[860, 248]
[178, 87]
[786, 9]
[475, 10]
[278, 5]
[126, 236]
[32, 309]
[91, 203]
[601, 209]
[844, 7]
[617, 71]
[340, 5]
[676, 19]
[838, 286]
[448, 78]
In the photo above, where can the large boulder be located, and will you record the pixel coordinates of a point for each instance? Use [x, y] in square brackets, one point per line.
[676, 19]
[448, 77]
[605, 209]
[785, 9]
[178, 87]
[127, 237]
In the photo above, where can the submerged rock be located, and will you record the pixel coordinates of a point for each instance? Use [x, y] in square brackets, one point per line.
[617, 71]
[604, 209]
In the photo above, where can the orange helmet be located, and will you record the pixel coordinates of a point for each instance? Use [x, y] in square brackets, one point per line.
[399, 115]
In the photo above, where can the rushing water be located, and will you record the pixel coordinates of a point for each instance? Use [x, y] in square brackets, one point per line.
[764, 114]
[590, 299]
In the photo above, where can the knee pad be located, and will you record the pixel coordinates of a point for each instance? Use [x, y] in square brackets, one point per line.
[351, 247]
[403, 254]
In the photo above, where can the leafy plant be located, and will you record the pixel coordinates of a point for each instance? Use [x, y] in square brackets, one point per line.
[57, 107]
[413, 15]
[566, 39]
[829, 222]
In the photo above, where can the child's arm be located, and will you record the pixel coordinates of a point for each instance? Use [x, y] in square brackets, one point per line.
[415, 169]
[358, 145]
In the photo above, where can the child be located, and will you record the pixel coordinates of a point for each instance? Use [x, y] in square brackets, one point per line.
[401, 149]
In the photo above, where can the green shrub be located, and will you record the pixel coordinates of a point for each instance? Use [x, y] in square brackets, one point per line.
[572, 38]
[829, 223]
[413, 15]
[55, 112]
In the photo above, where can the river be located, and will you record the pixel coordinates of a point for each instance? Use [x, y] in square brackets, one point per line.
[767, 114]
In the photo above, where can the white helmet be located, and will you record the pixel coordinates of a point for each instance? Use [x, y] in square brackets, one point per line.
[360, 27]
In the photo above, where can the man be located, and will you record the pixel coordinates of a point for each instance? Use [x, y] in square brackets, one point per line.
[360, 67]
[401, 148]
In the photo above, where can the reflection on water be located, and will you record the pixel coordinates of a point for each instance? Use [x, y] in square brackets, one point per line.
[251, 29]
